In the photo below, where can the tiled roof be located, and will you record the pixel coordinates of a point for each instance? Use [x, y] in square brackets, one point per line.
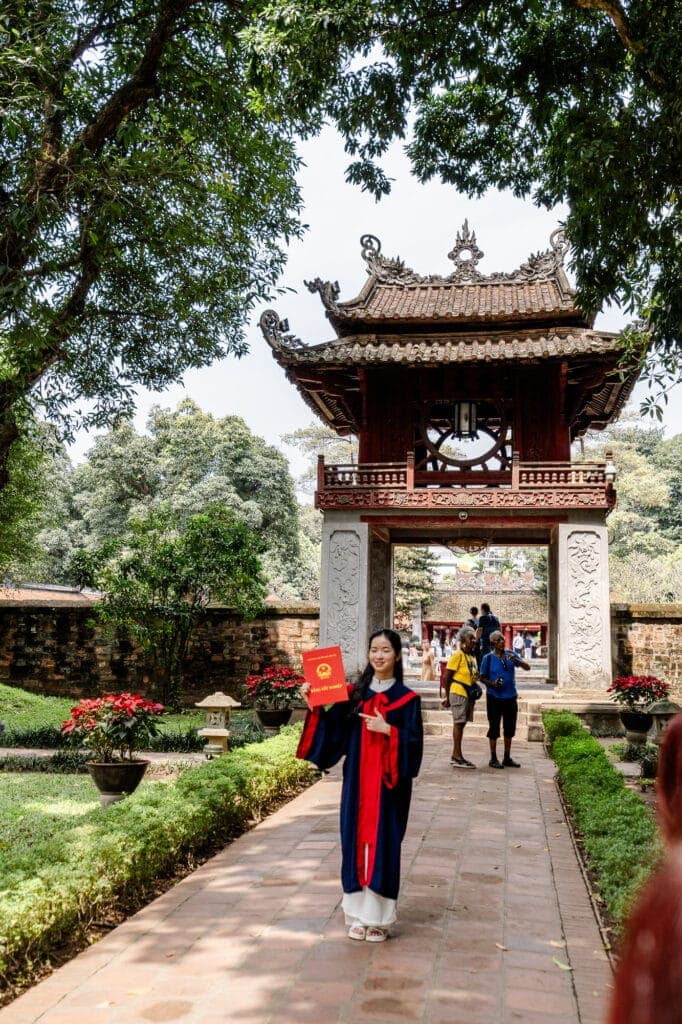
[451, 604]
[537, 290]
[448, 302]
[438, 350]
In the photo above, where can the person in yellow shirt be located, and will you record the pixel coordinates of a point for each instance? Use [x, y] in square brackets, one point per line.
[460, 672]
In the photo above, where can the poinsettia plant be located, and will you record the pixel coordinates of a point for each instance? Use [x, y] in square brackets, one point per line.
[115, 726]
[276, 686]
[637, 692]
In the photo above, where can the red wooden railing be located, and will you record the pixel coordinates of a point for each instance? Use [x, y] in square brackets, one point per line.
[402, 476]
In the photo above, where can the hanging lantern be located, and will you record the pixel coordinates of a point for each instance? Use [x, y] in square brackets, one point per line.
[464, 420]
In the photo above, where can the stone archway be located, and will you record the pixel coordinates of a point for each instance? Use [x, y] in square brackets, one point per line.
[356, 594]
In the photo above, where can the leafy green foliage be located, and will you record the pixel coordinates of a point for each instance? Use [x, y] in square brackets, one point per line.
[561, 723]
[645, 529]
[318, 439]
[565, 102]
[618, 832]
[68, 860]
[24, 499]
[160, 586]
[145, 198]
[414, 577]
[185, 461]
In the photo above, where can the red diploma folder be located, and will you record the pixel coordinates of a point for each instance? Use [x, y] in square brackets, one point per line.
[323, 669]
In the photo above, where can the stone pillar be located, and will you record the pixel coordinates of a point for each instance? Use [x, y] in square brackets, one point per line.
[355, 588]
[579, 614]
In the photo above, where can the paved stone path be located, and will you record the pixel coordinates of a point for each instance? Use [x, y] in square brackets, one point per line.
[492, 905]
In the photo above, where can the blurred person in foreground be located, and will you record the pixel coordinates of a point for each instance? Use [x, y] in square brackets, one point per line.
[648, 981]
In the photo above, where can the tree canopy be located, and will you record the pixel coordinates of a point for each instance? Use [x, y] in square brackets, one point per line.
[186, 461]
[159, 586]
[565, 101]
[645, 528]
[144, 201]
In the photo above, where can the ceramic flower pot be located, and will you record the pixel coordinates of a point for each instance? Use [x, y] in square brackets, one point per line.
[116, 780]
[272, 719]
[637, 725]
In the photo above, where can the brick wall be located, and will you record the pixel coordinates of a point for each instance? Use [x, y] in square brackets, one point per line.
[647, 640]
[61, 650]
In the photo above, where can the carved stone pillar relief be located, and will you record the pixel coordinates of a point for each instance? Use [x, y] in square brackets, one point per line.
[379, 604]
[355, 592]
[585, 614]
[343, 587]
[581, 599]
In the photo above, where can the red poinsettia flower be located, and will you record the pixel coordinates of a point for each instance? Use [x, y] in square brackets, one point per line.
[114, 726]
[276, 686]
[637, 692]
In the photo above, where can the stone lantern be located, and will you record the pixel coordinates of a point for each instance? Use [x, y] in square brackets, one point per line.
[217, 729]
[662, 711]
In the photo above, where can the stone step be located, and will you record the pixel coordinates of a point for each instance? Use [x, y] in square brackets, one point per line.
[438, 720]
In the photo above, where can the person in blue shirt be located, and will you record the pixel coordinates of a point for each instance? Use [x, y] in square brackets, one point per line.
[487, 623]
[497, 673]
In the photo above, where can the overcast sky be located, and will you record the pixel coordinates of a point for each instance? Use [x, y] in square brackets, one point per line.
[416, 222]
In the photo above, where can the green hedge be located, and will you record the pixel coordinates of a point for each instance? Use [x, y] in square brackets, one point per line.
[561, 723]
[63, 762]
[50, 889]
[620, 838]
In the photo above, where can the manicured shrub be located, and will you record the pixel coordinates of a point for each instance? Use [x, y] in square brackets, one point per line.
[618, 832]
[560, 723]
[117, 853]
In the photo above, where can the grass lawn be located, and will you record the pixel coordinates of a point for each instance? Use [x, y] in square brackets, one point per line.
[20, 709]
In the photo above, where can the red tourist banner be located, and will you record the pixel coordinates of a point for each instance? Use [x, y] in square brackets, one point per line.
[323, 669]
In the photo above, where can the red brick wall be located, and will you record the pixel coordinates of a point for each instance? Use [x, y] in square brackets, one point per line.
[61, 650]
[647, 640]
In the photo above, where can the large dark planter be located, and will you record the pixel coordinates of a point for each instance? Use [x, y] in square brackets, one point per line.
[637, 725]
[272, 719]
[116, 780]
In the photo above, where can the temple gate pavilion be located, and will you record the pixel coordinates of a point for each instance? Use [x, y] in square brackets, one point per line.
[465, 392]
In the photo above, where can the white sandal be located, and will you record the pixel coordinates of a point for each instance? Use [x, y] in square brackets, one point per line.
[357, 931]
[373, 934]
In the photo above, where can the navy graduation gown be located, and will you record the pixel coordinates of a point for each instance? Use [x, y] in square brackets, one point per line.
[377, 781]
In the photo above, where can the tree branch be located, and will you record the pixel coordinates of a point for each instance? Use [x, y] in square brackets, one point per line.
[52, 173]
[614, 10]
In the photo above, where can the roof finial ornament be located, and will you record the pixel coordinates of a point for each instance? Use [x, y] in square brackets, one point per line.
[276, 332]
[465, 254]
[559, 244]
[371, 247]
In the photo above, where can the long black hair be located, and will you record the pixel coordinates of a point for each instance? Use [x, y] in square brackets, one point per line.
[362, 689]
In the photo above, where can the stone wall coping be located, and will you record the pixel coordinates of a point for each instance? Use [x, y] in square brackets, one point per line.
[647, 611]
[50, 604]
[301, 609]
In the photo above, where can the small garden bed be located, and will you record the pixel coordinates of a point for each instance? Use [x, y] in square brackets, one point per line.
[34, 721]
[616, 831]
[68, 862]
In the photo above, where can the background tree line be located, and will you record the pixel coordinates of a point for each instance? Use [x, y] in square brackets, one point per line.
[148, 165]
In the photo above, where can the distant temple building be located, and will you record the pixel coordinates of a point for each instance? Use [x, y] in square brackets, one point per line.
[514, 600]
[465, 392]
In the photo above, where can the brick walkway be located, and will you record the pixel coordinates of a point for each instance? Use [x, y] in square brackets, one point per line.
[492, 903]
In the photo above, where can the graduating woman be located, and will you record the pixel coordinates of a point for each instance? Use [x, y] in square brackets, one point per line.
[379, 730]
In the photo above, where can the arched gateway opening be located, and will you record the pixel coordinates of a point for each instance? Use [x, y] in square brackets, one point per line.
[465, 393]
